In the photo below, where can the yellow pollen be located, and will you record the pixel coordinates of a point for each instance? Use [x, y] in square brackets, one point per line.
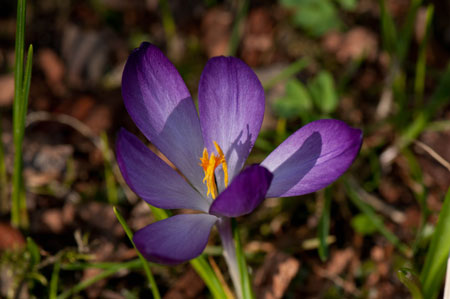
[209, 165]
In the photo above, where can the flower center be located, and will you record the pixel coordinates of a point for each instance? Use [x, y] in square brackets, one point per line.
[209, 164]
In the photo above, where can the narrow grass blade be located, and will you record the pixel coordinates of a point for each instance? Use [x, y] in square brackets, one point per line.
[433, 270]
[53, 290]
[438, 125]
[19, 51]
[167, 20]
[411, 281]
[421, 64]
[324, 226]
[26, 90]
[88, 282]
[407, 30]
[19, 198]
[148, 273]
[246, 283]
[204, 270]
[235, 33]
[111, 187]
[33, 249]
[440, 97]
[388, 28]
[376, 221]
[130, 265]
[286, 73]
[3, 177]
[16, 218]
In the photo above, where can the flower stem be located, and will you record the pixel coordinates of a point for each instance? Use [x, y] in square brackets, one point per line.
[229, 253]
[235, 259]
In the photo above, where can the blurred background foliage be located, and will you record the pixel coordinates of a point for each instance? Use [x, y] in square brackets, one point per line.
[381, 231]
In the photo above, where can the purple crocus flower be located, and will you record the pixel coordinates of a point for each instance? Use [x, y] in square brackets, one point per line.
[210, 148]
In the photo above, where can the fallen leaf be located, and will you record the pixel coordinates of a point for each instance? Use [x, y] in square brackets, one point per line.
[11, 238]
[275, 275]
[6, 90]
[187, 287]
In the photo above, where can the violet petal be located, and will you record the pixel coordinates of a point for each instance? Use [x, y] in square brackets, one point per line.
[245, 193]
[231, 106]
[152, 179]
[160, 104]
[312, 158]
[176, 239]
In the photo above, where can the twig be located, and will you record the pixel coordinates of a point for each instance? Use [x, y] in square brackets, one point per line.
[433, 154]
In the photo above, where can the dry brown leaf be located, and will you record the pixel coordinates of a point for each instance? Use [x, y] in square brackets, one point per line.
[188, 286]
[10, 237]
[275, 275]
[216, 28]
[6, 90]
[354, 44]
[340, 259]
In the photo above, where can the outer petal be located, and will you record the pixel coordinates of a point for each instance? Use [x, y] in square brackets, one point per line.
[313, 157]
[231, 106]
[244, 194]
[152, 179]
[176, 239]
[160, 104]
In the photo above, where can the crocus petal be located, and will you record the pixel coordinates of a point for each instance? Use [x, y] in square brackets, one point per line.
[313, 157]
[231, 107]
[244, 194]
[176, 239]
[160, 104]
[152, 179]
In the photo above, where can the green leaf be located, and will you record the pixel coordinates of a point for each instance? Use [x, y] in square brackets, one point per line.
[290, 3]
[323, 92]
[348, 4]
[436, 260]
[295, 102]
[315, 17]
[35, 255]
[363, 225]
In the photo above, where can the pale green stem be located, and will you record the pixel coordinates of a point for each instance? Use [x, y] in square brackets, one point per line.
[229, 253]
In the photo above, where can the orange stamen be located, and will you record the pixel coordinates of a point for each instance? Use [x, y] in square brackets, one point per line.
[209, 165]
